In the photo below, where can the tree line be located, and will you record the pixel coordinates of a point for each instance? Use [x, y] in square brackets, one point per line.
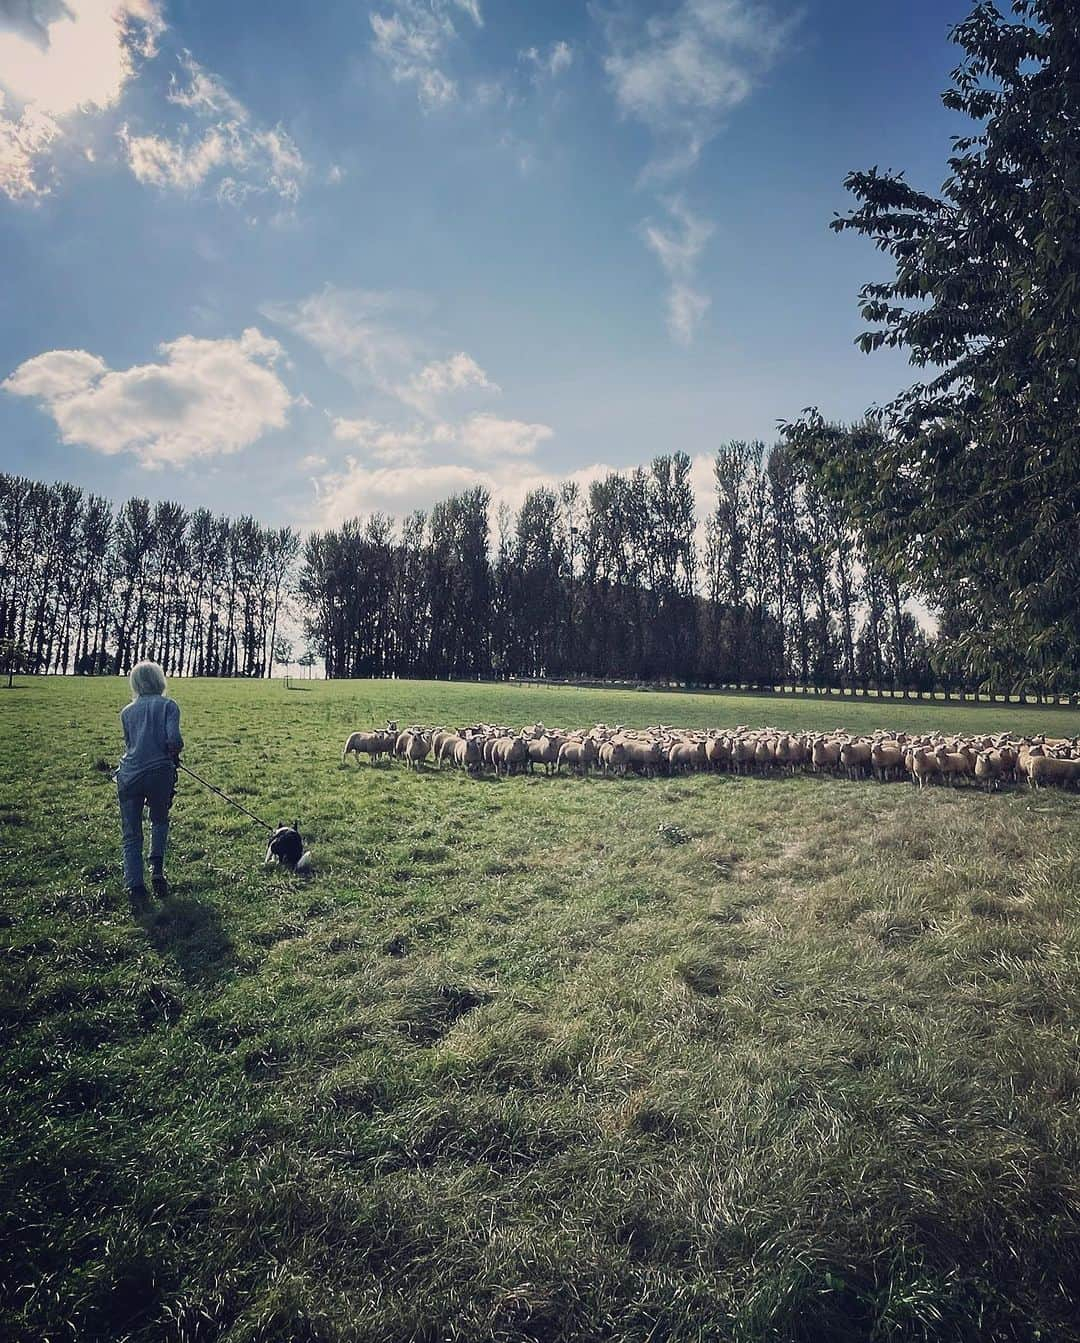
[620, 583]
[86, 587]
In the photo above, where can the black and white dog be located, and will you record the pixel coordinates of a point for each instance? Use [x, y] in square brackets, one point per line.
[287, 848]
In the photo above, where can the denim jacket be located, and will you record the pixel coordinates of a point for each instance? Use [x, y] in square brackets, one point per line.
[151, 726]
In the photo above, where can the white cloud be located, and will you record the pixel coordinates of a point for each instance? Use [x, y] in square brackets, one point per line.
[205, 398]
[442, 378]
[677, 250]
[451, 375]
[487, 436]
[257, 160]
[386, 443]
[413, 41]
[358, 489]
[156, 160]
[23, 143]
[681, 72]
[483, 437]
[551, 63]
[86, 56]
[77, 58]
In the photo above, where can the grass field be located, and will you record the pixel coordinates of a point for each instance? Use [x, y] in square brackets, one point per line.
[514, 1065]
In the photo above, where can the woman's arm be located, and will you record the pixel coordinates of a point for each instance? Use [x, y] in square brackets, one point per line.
[173, 739]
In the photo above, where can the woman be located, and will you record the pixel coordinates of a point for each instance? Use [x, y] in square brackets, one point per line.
[146, 776]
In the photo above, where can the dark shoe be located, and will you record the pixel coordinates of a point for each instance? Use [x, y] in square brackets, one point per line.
[160, 885]
[138, 897]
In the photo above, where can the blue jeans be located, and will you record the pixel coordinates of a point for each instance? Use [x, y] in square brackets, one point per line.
[155, 790]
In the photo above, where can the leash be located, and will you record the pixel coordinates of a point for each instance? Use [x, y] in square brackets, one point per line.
[231, 800]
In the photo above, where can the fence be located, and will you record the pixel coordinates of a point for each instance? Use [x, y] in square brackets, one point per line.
[937, 694]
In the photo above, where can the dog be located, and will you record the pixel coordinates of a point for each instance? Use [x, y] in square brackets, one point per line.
[287, 848]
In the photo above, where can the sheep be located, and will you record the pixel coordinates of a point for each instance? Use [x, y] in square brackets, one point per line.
[954, 764]
[577, 754]
[855, 757]
[613, 758]
[989, 769]
[413, 747]
[373, 744]
[466, 754]
[1009, 758]
[985, 760]
[445, 749]
[439, 739]
[509, 754]
[685, 756]
[1043, 769]
[786, 751]
[643, 755]
[887, 759]
[544, 751]
[743, 754]
[825, 754]
[924, 765]
[718, 752]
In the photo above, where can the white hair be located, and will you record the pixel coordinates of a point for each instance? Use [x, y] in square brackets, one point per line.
[146, 678]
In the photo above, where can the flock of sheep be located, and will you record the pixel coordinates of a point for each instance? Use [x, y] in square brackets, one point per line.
[986, 761]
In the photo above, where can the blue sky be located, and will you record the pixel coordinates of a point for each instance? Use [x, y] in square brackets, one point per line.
[311, 261]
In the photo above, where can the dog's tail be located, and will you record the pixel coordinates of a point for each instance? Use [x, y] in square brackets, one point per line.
[306, 865]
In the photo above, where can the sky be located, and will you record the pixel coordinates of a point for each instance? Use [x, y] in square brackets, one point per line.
[309, 262]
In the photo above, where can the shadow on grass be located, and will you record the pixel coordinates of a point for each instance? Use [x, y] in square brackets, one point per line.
[190, 936]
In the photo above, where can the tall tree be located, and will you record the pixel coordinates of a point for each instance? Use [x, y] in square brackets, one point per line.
[730, 542]
[981, 462]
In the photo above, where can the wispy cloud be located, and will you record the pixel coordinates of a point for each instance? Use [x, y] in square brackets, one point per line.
[204, 399]
[681, 73]
[678, 248]
[413, 39]
[427, 429]
[244, 158]
[549, 64]
[59, 64]
[369, 336]
[358, 332]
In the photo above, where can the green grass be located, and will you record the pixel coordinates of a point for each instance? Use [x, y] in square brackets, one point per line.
[516, 1064]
